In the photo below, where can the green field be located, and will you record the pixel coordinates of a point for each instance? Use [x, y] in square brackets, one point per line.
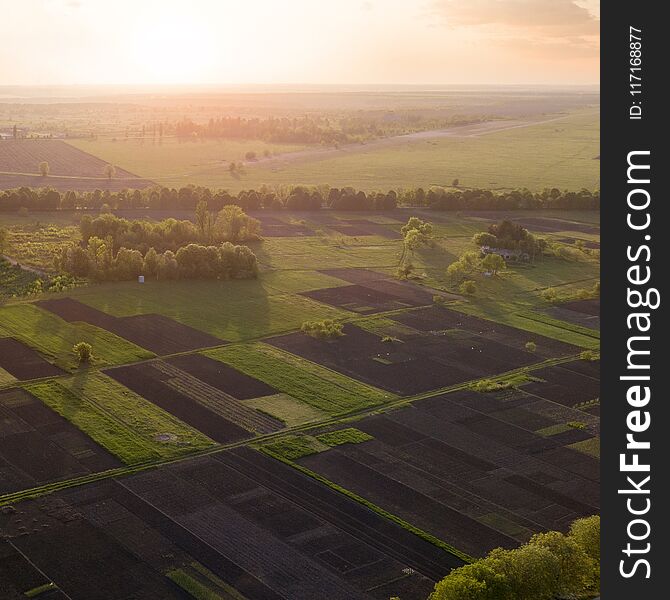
[54, 337]
[316, 386]
[173, 162]
[130, 427]
[560, 153]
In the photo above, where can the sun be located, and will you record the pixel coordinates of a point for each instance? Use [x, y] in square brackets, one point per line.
[175, 50]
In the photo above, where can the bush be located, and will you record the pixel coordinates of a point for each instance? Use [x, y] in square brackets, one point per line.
[327, 329]
[389, 339]
[468, 287]
[531, 346]
[589, 355]
[551, 565]
[83, 351]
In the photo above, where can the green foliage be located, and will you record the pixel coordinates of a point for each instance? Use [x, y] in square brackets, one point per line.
[327, 329]
[350, 435]
[389, 339]
[551, 565]
[493, 263]
[531, 346]
[576, 424]
[589, 355]
[468, 287]
[83, 352]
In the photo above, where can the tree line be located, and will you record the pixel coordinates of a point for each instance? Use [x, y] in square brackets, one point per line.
[297, 198]
[230, 224]
[551, 565]
[97, 260]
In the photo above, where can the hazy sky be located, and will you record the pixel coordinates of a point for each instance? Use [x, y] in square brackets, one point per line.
[299, 41]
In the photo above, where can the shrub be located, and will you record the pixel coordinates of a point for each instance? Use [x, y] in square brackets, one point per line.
[589, 355]
[389, 339]
[468, 287]
[577, 425]
[83, 351]
[326, 329]
[531, 346]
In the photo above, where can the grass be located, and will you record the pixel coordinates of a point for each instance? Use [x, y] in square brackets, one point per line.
[553, 429]
[561, 153]
[40, 589]
[232, 310]
[287, 409]
[15, 281]
[176, 163]
[293, 447]
[316, 386]
[6, 378]
[200, 583]
[590, 447]
[118, 419]
[547, 320]
[350, 435]
[54, 337]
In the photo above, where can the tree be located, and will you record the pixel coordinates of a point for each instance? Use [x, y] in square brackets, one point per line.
[202, 217]
[150, 266]
[109, 171]
[493, 263]
[44, 168]
[233, 225]
[83, 351]
[3, 239]
[326, 329]
[468, 287]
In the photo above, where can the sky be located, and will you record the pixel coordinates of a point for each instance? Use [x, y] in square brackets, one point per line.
[87, 42]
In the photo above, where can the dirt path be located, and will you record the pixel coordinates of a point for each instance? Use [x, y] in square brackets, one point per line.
[13, 261]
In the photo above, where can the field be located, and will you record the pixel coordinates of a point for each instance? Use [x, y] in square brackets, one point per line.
[238, 521]
[69, 168]
[214, 450]
[562, 149]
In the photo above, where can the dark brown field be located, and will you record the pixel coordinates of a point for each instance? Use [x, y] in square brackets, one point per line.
[23, 362]
[156, 333]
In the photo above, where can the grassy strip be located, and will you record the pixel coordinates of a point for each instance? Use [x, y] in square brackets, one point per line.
[546, 319]
[6, 378]
[350, 435]
[54, 337]
[40, 589]
[488, 310]
[119, 420]
[197, 589]
[373, 507]
[293, 447]
[313, 384]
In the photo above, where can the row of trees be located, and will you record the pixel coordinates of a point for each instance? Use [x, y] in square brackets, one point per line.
[97, 260]
[551, 565]
[230, 224]
[297, 198]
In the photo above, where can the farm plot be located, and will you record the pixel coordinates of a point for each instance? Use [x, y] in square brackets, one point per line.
[554, 225]
[446, 348]
[23, 362]
[585, 313]
[238, 522]
[121, 421]
[54, 337]
[69, 168]
[156, 333]
[37, 445]
[215, 413]
[358, 298]
[565, 385]
[312, 386]
[276, 227]
[361, 227]
[475, 479]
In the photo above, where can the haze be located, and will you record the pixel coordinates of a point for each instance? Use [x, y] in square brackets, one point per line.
[89, 42]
